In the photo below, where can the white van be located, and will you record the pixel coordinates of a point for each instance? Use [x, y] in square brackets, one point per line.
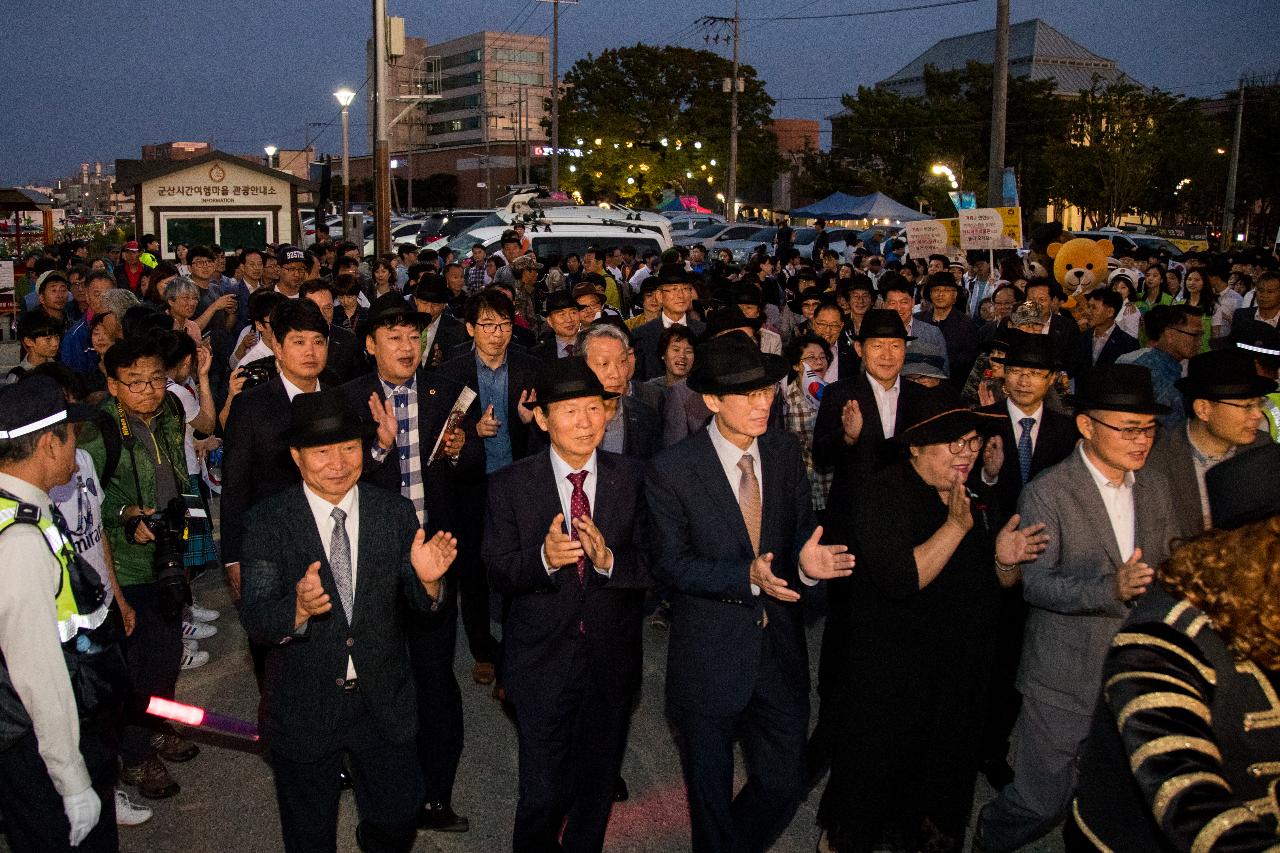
[555, 240]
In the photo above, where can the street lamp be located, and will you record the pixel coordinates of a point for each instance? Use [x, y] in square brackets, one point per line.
[271, 152]
[943, 170]
[345, 96]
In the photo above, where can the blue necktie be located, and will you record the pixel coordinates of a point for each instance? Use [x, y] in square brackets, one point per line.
[1024, 448]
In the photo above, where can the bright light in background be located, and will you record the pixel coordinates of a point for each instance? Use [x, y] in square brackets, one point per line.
[631, 180]
[345, 96]
[698, 145]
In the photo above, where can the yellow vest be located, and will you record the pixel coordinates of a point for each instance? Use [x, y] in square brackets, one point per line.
[1271, 411]
[70, 618]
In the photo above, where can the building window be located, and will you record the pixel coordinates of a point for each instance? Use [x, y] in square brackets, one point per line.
[229, 230]
[530, 57]
[454, 126]
[526, 78]
[464, 58]
[450, 105]
[457, 81]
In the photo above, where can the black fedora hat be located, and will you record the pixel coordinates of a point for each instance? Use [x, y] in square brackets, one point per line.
[324, 417]
[391, 309]
[938, 417]
[731, 317]
[1244, 488]
[882, 323]
[566, 379]
[1226, 374]
[940, 279]
[1258, 339]
[1117, 388]
[1035, 351]
[811, 292]
[675, 273]
[431, 288]
[558, 300]
[733, 364]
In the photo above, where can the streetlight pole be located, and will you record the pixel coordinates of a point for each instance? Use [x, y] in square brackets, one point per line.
[270, 151]
[345, 96]
[1229, 203]
[381, 142]
[999, 107]
[731, 191]
[555, 95]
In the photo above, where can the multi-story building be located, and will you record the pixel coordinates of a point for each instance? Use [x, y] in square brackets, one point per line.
[90, 193]
[164, 151]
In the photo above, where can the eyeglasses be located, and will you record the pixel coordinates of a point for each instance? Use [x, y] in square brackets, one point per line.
[676, 288]
[494, 328]
[1255, 405]
[1191, 334]
[834, 327]
[761, 394]
[140, 385]
[1031, 372]
[973, 444]
[1130, 433]
[590, 306]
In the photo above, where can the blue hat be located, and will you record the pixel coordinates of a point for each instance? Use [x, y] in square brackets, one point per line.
[288, 254]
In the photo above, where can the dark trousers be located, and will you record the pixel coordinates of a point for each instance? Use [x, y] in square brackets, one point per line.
[388, 789]
[153, 653]
[1003, 699]
[772, 728]
[570, 757]
[32, 807]
[471, 580]
[432, 644]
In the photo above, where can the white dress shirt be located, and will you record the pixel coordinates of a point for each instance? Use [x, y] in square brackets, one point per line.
[886, 403]
[322, 512]
[1015, 415]
[1118, 499]
[1100, 342]
[667, 322]
[293, 391]
[561, 470]
[729, 455]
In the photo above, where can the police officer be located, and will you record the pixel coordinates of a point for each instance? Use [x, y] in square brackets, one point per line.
[57, 765]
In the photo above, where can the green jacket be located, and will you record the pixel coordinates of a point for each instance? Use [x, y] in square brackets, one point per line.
[134, 483]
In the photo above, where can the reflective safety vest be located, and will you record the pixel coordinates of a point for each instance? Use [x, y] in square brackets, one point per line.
[1271, 411]
[73, 615]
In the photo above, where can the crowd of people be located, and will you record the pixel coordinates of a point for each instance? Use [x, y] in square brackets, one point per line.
[1042, 527]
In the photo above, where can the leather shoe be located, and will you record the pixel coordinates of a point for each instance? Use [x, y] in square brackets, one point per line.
[345, 782]
[620, 791]
[440, 817]
[482, 673]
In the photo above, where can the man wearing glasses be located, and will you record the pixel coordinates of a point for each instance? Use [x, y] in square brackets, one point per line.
[503, 379]
[1109, 522]
[675, 298]
[1174, 334]
[1223, 398]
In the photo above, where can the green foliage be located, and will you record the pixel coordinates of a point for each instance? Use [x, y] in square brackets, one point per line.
[631, 98]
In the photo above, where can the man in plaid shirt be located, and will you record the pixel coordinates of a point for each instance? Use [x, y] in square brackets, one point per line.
[475, 270]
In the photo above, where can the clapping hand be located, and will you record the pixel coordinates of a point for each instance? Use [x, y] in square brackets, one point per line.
[1133, 577]
[312, 600]
[593, 543]
[432, 557]
[993, 458]
[558, 547]
[384, 415]
[1014, 545]
[851, 421]
[825, 562]
[958, 506]
[487, 426]
[761, 574]
[525, 413]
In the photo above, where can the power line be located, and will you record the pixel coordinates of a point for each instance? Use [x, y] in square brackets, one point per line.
[859, 14]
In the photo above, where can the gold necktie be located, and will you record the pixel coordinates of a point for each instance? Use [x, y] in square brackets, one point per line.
[749, 500]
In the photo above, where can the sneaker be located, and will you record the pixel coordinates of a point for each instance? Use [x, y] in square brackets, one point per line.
[194, 660]
[197, 630]
[173, 748]
[151, 778]
[196, 613]
[190, 646]
[128, 813]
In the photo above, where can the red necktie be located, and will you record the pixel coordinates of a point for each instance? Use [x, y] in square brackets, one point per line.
[579, 507]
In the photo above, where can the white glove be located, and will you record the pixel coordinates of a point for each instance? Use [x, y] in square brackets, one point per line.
[82, 810]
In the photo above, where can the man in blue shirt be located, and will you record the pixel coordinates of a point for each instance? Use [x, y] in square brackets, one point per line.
[1174, 334]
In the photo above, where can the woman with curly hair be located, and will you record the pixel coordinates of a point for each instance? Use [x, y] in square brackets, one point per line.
[1184, 753]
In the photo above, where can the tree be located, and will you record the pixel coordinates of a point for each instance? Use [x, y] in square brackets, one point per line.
[658, 116]
[889, 142]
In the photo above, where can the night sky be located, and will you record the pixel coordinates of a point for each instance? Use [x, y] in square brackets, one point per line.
[92, 80]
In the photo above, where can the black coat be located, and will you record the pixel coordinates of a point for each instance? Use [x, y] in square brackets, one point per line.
[522, 375]
[451, 333]
[1118, 343]
[305, 673]
[256, 464]
[436, 396]
[346, 358]
[700, 549]
[1055, 441]
[910, 710]
[540, 632]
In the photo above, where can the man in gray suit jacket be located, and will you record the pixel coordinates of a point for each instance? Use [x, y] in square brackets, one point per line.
[1223, 395]
[1110, 521]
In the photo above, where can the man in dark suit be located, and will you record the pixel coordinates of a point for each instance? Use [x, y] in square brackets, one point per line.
[345, 361]
[1033, 438]
[633, 427]
[857, 415]
[443, 331]
[406, 407]
[958, 329]
[1104, 341]
[1266, 302]
[256, 463]
[563, 539]
[734, 539]
[1223, 395]
[502, 378]
[1062, 330]
[561, 338]
[675, 297]
[327, 568]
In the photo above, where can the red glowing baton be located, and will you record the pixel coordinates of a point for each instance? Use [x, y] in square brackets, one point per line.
[190, 715]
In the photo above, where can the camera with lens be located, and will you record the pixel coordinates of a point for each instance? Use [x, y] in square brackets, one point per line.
[258, 372]
[169, 527]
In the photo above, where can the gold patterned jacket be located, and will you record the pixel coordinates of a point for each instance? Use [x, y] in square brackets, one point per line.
[1184, 753]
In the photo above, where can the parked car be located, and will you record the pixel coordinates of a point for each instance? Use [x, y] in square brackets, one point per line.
[1126, 242]
[448, 224]
[553, 241]
[714, 233]
[683, 224]
[839, 239]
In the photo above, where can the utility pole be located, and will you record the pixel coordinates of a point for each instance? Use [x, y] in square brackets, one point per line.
[733, 85]
[999, 107]
[1229, 204]
[381, 142]
[555, 90]
[488, 152]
